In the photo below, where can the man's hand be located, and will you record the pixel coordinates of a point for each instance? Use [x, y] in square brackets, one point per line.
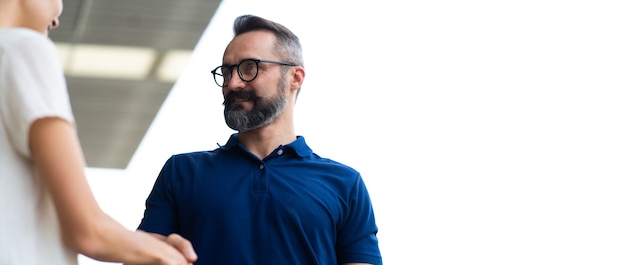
[183, 245]
[180, 243]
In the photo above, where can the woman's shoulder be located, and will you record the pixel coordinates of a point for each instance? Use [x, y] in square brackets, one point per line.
[22, 38]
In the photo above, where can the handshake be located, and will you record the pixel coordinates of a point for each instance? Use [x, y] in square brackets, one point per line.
[161, 250]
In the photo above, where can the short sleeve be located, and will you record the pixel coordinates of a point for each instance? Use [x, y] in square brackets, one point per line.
[32, 86]
[160, 212]
[356, 240]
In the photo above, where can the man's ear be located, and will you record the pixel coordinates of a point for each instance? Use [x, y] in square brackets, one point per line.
[297, 77]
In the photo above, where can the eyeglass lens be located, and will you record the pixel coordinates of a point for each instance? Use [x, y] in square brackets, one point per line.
[247, 71]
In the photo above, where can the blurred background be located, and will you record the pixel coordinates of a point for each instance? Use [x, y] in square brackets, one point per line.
[488, 132]
[121, 60]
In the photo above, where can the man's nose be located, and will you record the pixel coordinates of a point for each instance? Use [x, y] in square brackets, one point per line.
[235, 82]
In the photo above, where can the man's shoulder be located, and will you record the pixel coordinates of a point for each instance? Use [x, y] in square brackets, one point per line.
[196, 154]
[334, 164]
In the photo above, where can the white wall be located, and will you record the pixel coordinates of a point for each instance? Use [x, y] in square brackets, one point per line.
[488, 132]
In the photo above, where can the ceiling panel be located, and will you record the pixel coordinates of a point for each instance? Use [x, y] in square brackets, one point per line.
[113, 115]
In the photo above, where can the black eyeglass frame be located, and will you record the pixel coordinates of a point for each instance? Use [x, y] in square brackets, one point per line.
[229, 67]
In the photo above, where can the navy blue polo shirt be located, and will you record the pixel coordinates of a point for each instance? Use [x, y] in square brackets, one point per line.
[292, 207]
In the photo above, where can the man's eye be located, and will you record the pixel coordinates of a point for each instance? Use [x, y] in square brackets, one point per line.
[248, 68]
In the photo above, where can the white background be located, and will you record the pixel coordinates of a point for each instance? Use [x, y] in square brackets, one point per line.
[488, 132]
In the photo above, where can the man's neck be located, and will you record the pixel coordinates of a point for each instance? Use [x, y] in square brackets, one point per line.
[262, 141]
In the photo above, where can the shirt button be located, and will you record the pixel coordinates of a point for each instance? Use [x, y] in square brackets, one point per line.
[261, 166]
[280, 152]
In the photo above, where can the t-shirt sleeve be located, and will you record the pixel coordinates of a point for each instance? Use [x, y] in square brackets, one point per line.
[35, 87]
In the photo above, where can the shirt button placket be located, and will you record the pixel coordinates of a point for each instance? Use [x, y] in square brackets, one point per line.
[260, 180]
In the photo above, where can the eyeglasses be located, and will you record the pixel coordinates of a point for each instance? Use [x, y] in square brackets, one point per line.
[247, 70]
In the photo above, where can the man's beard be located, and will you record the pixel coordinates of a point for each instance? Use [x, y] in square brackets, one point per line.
[263, 112]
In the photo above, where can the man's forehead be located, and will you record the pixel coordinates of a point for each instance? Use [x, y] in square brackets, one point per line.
[250, 45]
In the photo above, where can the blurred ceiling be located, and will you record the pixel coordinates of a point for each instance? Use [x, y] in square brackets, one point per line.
[121, 59]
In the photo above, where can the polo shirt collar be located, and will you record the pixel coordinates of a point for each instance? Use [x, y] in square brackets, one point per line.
[299, 146]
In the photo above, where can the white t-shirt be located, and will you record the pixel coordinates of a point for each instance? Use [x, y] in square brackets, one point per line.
[32, 86]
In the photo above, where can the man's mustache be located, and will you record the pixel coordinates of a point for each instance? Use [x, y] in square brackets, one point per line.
[240, 95]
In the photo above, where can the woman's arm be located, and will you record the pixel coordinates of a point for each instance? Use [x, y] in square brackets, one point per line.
[85, 227]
